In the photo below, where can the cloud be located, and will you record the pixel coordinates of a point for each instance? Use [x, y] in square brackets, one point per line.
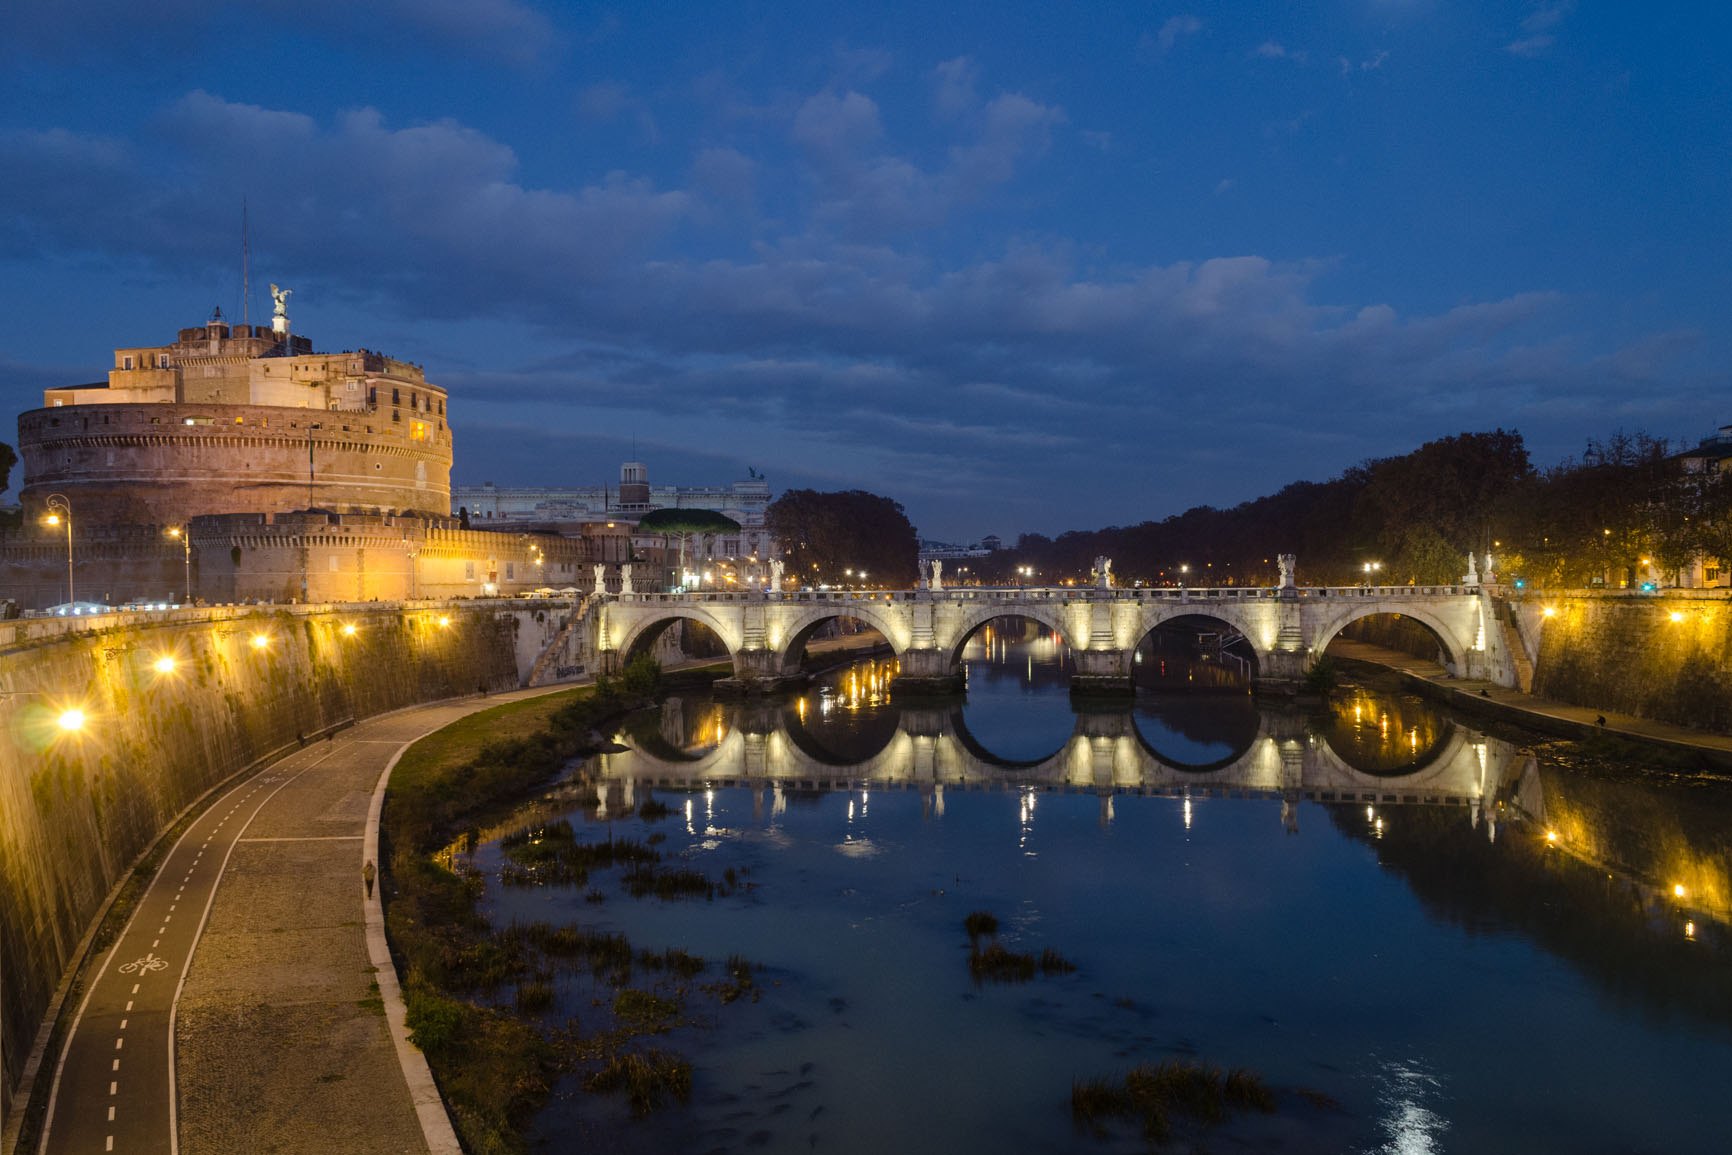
[1539, 26]
[832, 329]
[1271, 50]
[955, 81]
[607, 102]
[1184, 24]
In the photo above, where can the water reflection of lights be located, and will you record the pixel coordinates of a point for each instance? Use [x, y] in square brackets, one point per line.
[1025, 819]
[1411, 1127]
[1187, 812]
[864, 688]
[690, 829]
[1689, 930]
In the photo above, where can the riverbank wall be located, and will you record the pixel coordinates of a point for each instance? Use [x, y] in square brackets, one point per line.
[78, 807]
[1666, 656]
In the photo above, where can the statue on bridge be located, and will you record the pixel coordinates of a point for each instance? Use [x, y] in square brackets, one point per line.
[600, 578]
[625, 579]
[776, 565]
[1288, 563]
[1471, 577]
[1102, 573]
[937, 573]
[1488, 575]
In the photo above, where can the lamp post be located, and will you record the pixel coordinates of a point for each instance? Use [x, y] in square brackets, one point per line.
[60, 510]
[185, 535]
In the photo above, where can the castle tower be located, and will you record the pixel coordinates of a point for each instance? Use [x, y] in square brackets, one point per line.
[634, 490]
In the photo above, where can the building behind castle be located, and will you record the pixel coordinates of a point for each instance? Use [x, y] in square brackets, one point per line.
[742, 557]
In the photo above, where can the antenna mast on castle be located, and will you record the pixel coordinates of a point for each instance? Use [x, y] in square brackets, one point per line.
[246, 285]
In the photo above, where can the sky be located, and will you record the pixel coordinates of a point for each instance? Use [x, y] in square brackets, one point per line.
[1023, 267]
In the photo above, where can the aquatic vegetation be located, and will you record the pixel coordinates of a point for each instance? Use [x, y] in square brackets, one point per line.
[534, 997]
[1156, 1094]
[643, 1009]
[668, 884]
[1053, 963]
[644, 1076]
[1001, 965]
[680, 962]
[980, 922]
[653, 809]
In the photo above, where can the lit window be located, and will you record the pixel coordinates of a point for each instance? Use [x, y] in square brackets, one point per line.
[417, 431]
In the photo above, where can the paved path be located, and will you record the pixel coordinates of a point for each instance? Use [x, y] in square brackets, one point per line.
[264, 980]
[1561, 717]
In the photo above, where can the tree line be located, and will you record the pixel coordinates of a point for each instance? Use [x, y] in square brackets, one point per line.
[1629, 501]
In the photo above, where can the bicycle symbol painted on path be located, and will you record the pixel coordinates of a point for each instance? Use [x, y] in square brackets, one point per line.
[144, 965]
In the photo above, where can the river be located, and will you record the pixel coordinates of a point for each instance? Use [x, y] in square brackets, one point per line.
[1422, 937]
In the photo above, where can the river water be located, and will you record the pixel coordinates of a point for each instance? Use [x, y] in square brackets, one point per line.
[1423, 937]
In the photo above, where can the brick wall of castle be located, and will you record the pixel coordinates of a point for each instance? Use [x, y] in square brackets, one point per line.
[160, 465]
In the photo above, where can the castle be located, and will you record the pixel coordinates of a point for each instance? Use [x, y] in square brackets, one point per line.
[237, 463]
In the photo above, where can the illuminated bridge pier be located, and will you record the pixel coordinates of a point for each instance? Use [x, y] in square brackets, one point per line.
[1285, 629]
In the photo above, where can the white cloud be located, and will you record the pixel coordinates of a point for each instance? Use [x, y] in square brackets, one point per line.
[1184, 24]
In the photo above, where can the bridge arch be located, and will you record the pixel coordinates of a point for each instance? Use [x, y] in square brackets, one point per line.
[1244, 647]
[644, 630]
[791, 649]
[969, 623]
[1449, 639]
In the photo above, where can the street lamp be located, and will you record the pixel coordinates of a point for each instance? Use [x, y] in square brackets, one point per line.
[60, 510]
[185, 536]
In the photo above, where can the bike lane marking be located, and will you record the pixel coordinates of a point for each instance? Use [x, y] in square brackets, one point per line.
[76, 1055]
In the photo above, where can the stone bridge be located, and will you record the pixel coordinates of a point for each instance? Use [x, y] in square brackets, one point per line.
[1285, 629]
[931, 750]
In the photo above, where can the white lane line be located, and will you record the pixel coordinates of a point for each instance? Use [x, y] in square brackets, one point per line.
[119, 1043]
[135, 988]
[129, 1005]
[110, 1146]
[114, 1088]
[116, 1066]
[111, 1112]
[123, 1023]
[192, 948]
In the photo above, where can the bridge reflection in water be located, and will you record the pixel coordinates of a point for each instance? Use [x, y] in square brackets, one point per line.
[1364, 750]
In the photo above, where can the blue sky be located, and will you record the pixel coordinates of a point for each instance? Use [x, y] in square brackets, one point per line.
[1021, 267]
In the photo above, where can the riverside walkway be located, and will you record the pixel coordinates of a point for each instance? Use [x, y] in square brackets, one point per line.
[254, 949]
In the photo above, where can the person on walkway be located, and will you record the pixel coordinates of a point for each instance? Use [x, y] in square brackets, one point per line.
[368, 873]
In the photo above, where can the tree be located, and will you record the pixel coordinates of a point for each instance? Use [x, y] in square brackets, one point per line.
[823, 535]
[685, 523]
[8, 458]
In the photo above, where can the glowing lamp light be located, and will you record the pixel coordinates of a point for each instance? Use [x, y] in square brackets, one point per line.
[1678, 891]
[1689, 930]
[1677, 616]
[1550, 611]
[1551, 836]
[163, 665]
[260, 641]
[72, 720]
[349, 630]
[443, 622]
[52, 519]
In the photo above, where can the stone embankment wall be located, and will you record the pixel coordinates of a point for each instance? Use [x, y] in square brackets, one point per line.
[77, 808]
[1625, 653]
